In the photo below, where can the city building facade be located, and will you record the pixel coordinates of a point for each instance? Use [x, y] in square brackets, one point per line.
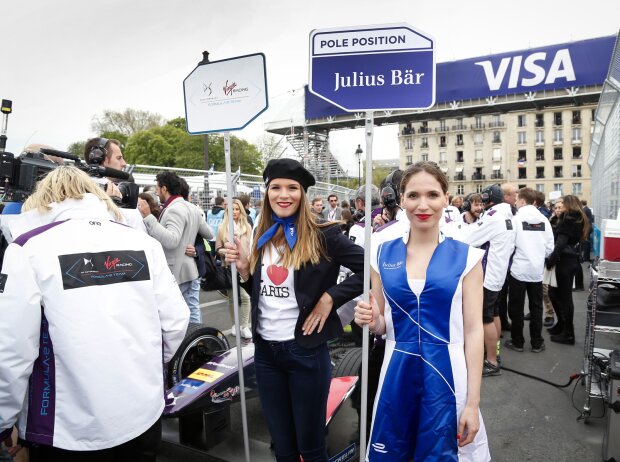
[542, 149]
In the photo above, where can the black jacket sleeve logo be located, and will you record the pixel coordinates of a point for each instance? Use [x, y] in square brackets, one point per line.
[509, 224]
[3, 278]
[103, 268]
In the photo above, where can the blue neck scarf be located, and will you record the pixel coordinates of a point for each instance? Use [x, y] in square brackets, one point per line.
[288, 226]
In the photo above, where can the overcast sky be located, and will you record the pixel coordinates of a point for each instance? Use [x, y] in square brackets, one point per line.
[65, 61]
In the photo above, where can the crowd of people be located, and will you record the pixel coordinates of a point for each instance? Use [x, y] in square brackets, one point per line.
[448, 275]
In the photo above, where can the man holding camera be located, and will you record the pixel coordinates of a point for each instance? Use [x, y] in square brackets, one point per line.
[107, 153]
[90, 312]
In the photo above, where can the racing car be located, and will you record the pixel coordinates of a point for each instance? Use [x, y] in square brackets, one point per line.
[203, 383]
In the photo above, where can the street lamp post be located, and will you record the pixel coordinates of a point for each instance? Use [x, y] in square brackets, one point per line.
[358, 153]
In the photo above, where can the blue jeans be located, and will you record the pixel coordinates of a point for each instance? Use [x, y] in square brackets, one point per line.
[293, 385]
[191, 294]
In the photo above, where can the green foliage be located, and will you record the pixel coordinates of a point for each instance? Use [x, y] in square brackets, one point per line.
[77, 149]
[115, 135]
[128, 122]
[171, 146]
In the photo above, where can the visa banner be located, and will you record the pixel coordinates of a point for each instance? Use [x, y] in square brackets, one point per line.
[563, 66]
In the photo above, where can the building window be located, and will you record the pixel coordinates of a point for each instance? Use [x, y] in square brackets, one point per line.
[521, 139]
[576, 135]
[425, 157]
[557, 154]
[558, 187]
[459, 139]
[442, 126]
[577, 152]
[540, 137]
[540, 154]
[540, 187]
[496, 122]
[521, 120]
[576, 171]
[557, 118]
[442, 141]
[479, 122]
[497, 154]
[460, 189]
[557, 136]
[522, 154]
[497, 137]
[577, 189]
[478, 155]
[479, 188]
[408, 130]
[557, 171]
[540, 121]
[576, 117]
[408, 143]
[478, 139]
[478, 176]
[521, 186]
[424, 127]
[443, 157]
[540, 172]
[409, 160]
[459, 124]
[522, 173]
[424, 142]
[459, 156]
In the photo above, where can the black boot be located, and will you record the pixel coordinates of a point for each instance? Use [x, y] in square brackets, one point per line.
[563, 338]
[555, 330]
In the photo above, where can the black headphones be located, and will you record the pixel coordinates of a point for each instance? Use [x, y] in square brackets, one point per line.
[492, 194]
[390, 193]
[466, 207]
[98, 152]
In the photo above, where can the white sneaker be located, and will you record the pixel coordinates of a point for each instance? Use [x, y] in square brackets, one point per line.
[246, 332]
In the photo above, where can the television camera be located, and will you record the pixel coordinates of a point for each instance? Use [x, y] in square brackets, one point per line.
[20, 174]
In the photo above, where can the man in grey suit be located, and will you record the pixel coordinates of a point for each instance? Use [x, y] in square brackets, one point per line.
[333, 212]
[179, 223]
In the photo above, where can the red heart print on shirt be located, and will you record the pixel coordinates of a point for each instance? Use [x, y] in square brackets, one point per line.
[277, 274]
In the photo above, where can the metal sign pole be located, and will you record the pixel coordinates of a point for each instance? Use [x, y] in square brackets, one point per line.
[366, 297]
[235, 287]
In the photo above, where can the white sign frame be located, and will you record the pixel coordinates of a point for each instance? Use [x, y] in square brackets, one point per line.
[225, 95]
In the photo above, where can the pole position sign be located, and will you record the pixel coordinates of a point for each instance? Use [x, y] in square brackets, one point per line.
[370, 68]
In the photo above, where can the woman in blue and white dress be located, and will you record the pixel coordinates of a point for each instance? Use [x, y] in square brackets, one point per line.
[427, 298]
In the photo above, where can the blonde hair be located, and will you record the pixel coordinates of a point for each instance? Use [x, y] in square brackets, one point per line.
[67, 182]
[243, 224]
[309, 247]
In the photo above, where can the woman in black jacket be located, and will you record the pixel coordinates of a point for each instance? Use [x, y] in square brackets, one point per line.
[571, 229]
[291, 275]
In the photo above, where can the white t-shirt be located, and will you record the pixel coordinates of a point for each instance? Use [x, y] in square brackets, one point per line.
[277, 305]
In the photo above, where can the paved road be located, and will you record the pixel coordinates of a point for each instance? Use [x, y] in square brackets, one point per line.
[526, 420]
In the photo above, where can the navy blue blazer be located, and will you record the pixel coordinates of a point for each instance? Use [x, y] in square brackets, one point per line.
[311, 281]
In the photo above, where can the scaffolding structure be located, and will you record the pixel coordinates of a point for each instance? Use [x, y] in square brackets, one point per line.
[312, 147]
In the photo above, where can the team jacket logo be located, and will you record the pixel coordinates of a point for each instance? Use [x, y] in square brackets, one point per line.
[103, 268]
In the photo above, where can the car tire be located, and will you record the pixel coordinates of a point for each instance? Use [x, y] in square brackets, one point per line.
[199, 346]
[349, 364]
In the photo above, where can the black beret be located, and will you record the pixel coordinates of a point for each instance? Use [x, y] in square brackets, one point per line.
[289, 169]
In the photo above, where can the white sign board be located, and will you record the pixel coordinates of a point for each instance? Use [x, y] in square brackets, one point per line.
[225, 95]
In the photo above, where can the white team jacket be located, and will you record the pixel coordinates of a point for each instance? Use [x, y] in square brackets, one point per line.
[494, 231]
[534, 242]
[88, 308]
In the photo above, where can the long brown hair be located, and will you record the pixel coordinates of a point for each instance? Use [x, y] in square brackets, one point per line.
[572, 204]
[309, 247]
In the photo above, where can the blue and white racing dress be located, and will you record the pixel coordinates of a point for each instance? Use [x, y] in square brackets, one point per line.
[423, 383]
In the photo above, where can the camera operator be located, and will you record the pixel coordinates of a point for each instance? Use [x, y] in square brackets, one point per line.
[107, 153]
[356, 233]
[87, 323]
[390, 200]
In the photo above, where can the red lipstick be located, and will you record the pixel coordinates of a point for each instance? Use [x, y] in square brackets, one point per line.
[423, 216]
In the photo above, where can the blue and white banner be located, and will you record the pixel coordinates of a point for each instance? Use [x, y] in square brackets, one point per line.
[554, 67]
